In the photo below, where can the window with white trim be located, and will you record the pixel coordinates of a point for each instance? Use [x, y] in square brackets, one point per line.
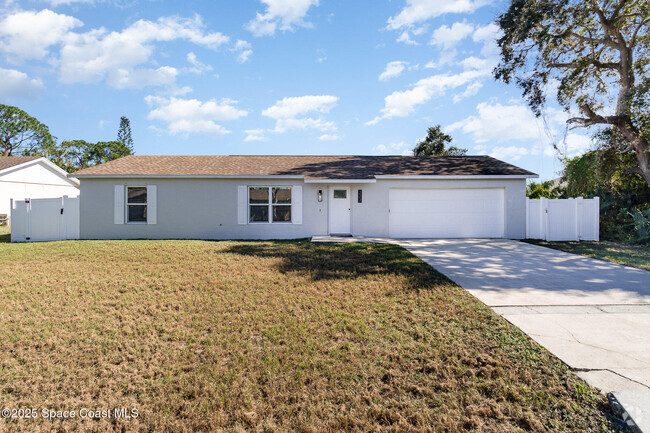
[136, 204]
[269, 204]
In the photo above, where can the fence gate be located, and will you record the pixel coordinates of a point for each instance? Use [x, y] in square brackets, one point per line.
[572, 219]
[45, 219]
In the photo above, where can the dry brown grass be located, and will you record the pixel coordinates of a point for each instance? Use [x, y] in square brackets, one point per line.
[268, 336]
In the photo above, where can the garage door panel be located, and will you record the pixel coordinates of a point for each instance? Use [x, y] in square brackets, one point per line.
[446, 213]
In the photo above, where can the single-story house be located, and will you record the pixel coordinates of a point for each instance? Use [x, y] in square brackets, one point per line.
[24, 177]
[275, 197]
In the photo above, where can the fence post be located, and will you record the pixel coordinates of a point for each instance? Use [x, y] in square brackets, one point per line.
[543, 218]
[578, 208]
[597, 218]
[527, 219]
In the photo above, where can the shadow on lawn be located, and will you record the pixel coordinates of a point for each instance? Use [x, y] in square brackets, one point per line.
[344, 261]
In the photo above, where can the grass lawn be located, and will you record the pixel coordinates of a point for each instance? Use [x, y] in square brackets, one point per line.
[268, 336]
[636, 256]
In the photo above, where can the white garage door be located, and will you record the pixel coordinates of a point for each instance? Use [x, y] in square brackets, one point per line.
[446, 213]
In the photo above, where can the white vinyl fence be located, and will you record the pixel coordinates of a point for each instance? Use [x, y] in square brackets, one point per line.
[573, 219]
[45, 219]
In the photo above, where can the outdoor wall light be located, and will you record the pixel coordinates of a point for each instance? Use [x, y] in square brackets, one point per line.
[320, 195]
[359, 196]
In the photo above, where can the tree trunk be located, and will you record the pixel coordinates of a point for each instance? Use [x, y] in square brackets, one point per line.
[643, 155]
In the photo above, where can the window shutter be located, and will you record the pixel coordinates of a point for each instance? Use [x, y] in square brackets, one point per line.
[118, 206]
[242, 204]
[152, 204]
[296, 204]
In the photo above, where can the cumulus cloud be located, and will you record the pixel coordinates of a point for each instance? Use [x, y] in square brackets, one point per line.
[281, 15]
[254, 135]
[417, 11]
[29, 34]
[16, 84]
[399, 148]
[447, 37]
[243, 50]
[301, 113]
[92, 56]
[328, 137]
[188, 116]
[403, 103]
[497, 122]
[393, 69]
[197, 66]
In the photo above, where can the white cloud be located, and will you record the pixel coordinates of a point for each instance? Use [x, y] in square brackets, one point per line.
[470, 90]
[510, 153]
[29, 34]
[406, 38]
[417, 11]
[399, 148]
[138, 78]
[488, 35]
[497, 122]
[280, 15]
[17, 84]
[393, 69]
[67, 2]
[94, 55]
[403, 103]
[296, 106]
[575, 144]
[244, 51]
[447, 37]
[187, 116]
[254, 135]
[197, 66]
[328, 137]
[297, 113]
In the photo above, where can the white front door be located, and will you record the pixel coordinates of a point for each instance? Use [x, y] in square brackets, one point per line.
[339, 210]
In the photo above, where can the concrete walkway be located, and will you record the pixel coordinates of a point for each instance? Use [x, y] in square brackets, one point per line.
[593, 315]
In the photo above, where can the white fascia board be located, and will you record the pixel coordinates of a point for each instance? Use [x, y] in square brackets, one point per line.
[49, 164]
[340, 180]
[182, 176]
[468, 176]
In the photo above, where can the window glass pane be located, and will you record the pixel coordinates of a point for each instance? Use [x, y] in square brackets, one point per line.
[259, 214]
[282, 195]
[281, 213]
[137, 213]
[340, 193]
[258, 195]
[136, 194]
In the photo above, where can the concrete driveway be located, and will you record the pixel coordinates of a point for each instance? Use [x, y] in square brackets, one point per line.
[594, 315]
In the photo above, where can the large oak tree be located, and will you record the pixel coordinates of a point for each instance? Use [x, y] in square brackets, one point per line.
[597, 54]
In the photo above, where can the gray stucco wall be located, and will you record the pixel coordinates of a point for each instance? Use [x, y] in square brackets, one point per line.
[207, 208]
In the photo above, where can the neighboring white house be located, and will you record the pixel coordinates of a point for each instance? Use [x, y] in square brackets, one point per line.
[24, 177]
[273, 197]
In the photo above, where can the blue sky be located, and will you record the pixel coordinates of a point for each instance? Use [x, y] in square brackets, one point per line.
[273, 77]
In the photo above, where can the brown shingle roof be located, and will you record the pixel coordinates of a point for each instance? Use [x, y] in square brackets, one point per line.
[315, 167]
[11, 161]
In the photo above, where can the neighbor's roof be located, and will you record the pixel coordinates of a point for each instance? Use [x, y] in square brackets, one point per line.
[11, 161]
[311, 167]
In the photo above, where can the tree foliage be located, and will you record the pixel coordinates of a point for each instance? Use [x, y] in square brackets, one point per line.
[22, 134]
[596, 52]
[436, 143]
[124, 133]
[546, 189]
[75, 155]
[608, 171]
